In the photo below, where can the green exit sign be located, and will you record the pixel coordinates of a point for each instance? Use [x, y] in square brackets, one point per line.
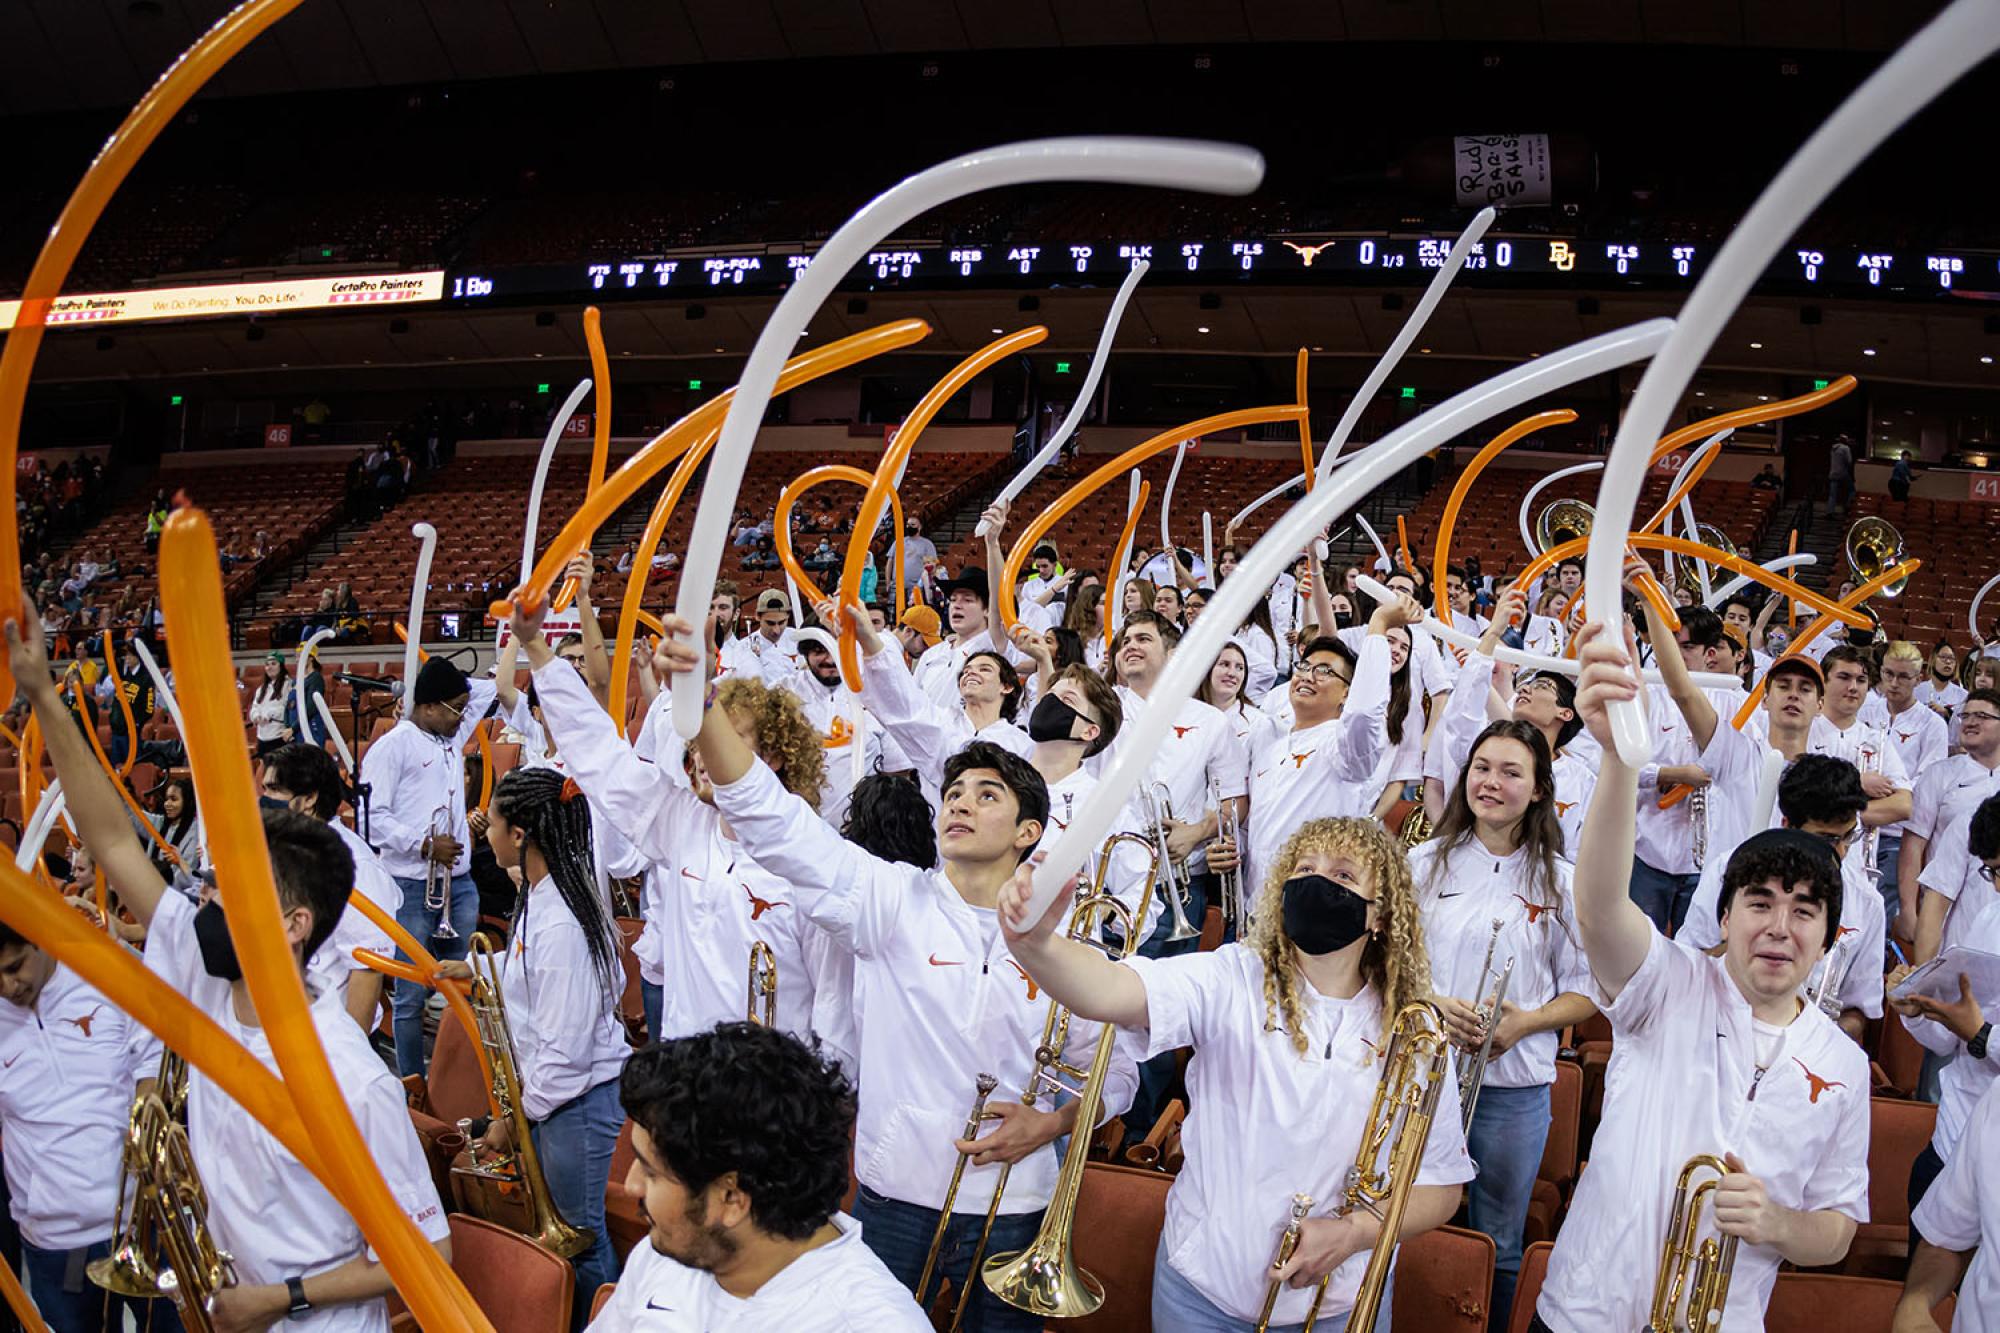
[694, 384]
[174, 401]
[1062, 367]
[1409, 391]
[1818, 385]
[541, 388]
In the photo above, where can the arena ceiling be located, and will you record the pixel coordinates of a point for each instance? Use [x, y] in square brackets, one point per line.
[63, 55]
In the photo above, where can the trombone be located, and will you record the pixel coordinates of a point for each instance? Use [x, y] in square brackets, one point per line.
[1472, 1064]
[1701, 1270]
[1288, 1245]
[437, 878]
[1044, 1279]
[763, 984]
[1158, 805]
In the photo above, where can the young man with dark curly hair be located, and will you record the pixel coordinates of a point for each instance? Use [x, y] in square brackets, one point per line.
[740, 1142]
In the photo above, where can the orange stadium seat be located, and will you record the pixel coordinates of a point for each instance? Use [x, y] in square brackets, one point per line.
[520, 1286]
[1443, 1280]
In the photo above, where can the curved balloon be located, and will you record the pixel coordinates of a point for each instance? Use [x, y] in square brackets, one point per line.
[36, 834]
[1267, 497]
[1952, 43]
[24, 1309]
[600, 443]
[1084, 394]
[557, 425]
[676, 439]
[198, 634]
[124, 706]
[1737, 564]
[1792, 608]
[781, 518]
[420, 585]
[107, 171]
[333, 734]
[1777, 565]
[125, 793]
[1978, 599]
[1292, 534]
[1211, 168]
[642, 562]
[1528, 500]
[1167, 497]
[1300, 380]
[1017, 558]
[888, 475]
[1120, 553]
[422, 969]
[1493, 448]
[299, 683]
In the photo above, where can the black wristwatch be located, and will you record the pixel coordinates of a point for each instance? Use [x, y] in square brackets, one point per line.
[300, 1306]
[1976, 1048]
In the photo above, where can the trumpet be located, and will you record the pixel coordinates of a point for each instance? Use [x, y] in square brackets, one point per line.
[523, 1173]
[763, 984]
[1823, 992]
[1158, 805]
[1472, 1064]
[1230, 882]
[1043, 1278]
[1701, 1270]
[164, 1247]
[437, 878]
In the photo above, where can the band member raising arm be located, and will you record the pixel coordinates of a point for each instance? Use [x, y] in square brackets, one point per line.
[944, 1001]
[739, 1146]
[1289, 1028]
[1717, 1057]
[299, 1256]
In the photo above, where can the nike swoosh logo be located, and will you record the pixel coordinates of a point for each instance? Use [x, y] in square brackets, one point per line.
[652, 1305]
[9, 1064]
[945, 962]
[1459, 894]
[691, 875]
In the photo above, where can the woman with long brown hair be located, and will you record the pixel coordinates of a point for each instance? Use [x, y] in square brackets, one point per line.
[1495, 897]
[1289, 1028]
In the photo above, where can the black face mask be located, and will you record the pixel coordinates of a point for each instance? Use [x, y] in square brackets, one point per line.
[273, 803]
[1342, 619]
[218, 950]
[1323, 917]
[1053, 720]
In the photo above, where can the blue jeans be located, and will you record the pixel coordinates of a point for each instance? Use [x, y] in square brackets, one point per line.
[900, 1235]
[71, 1303]
[1661, 896]
[1509, 1128]
[422, 923]
[1177, 1305]
[653, 1003]
[575, 1144]
[1888, 850]
[1156, 1075]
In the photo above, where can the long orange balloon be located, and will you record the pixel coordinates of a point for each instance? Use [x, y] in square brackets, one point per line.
[1493, 448]
[789, 498]
[600, 446]
[124, 704]
[403, 636]
[124, 792]
[642, 562]
[1813, 631]
[1305, 422]
[1735, 564]
[198, 636]
[1791, 607]
[422, 970]
[121, 152]
[17, 1300]
[890, 469]
[676, 439]
[1017, 558]
[1118, 554]
[1742, 416]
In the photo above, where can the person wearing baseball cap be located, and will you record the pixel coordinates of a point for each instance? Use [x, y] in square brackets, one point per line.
[919, 631]
[775, 644]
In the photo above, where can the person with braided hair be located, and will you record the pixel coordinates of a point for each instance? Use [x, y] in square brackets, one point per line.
[561, 979]
[1289, 1028]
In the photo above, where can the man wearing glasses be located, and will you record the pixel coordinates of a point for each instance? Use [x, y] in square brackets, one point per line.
[416, 775]
[1942, 803]
[1920, 739]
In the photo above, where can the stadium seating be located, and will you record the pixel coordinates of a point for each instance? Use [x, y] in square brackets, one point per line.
[1955, 539]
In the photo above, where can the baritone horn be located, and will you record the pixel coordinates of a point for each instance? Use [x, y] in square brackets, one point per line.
[763, 985]
[1700, 1269]
[1874, 546]
[1563, 521]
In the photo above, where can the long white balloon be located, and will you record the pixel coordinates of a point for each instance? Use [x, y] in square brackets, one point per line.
[1287, 484]
[1972, 612]
[1567, 666]
[1141, 738]
[1114, 606]
[427, 544]
[1098, 360]
[1690, 530]
[160, 686]
[40, 823]
[1440, 283]
[549, 443]
[1528, 500]
[299, 681]
[1167, 498]
[1210, 167]
[1208, 544]
[1959, 38]
[1777, 566]
[333, 730]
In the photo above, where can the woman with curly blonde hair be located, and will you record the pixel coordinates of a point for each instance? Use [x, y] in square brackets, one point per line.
[1289, 1028]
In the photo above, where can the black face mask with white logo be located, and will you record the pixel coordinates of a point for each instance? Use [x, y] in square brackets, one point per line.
[1323, 917]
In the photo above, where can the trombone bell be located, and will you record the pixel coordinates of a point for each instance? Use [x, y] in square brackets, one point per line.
[1873, 546]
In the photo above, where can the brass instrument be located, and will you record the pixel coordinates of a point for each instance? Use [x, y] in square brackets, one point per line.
[1873, 545]
[164, 1247]
[1823, 991]
[1288, 1245]
[1229, 883]
[437, 878]
[1472, 1064]
[1701, 1270]
[1563, 521]
[482, 1181]
[763, 984]
[1399, 1118]
[1158, 805]
[983, 1086]
[1689, 571]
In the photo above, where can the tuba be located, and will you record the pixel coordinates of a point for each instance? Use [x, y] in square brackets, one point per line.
[763, 985]
[1562, 521]
[1472, 1064]
[164, 1247]
[1044, 1278]
[1707, 1265]
[481, 1187]
[1873, 545]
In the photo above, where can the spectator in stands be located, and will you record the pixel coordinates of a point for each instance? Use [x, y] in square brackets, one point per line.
[1840, 474]
[136, 685]
[765, 556]
[744, 529]
[324, 616]
[156, 521]
[626, 555]
[825, 557]
[179, 827]
[1899, 478]
[315, 686]
[1768, 479]
[260, 545]
[267, 705]
[919, 552]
